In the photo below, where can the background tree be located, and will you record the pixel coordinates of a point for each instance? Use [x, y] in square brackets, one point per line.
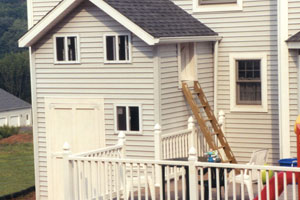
[14, 62]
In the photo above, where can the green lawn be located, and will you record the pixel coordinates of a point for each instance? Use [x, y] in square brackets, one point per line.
[16, 167]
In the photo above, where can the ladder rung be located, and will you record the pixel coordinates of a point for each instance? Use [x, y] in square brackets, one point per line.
[212, 134]
[221, 147]
[202, 106]
[208, 120]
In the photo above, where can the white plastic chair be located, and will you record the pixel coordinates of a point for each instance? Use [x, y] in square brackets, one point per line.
[258, 157]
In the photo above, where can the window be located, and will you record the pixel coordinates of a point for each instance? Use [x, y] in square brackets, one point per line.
[127, 118]
[248, 82]
[66, 49]
[217, 5]
[117, 48]
[208, 2]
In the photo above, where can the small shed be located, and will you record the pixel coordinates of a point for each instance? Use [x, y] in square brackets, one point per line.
[13, 110]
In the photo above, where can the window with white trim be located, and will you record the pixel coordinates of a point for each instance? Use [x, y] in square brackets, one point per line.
[210, 2]
[128, 118]
[248, 82]
[117, 48]
[66, 49]
[217, 5]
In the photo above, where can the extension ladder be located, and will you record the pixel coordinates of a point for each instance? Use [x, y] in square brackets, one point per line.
[204, 115]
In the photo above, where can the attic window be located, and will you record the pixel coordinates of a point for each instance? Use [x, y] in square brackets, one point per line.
[209, 2]
[117, 48]
[66, 49]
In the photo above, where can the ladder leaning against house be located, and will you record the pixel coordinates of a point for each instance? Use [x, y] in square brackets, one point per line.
[204, 115]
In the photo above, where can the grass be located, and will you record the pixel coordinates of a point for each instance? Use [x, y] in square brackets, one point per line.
[16, 167]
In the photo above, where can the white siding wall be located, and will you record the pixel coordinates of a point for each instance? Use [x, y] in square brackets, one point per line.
[294, 27]
[174, 109]
[116, 83]
[251, 30]
[41, 7]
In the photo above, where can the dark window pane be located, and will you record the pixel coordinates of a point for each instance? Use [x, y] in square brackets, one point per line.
[110, 48]
[121, 118]
[249, 92]
[72, 48]
[123, 47]
[134, 119]
[60, 48]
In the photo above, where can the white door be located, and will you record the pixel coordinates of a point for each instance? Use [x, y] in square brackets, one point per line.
[187, 62]
[80, 122]
[3, 121]
[14, 120]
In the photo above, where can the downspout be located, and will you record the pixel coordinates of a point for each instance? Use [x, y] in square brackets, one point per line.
[283, 78]
[216, 60]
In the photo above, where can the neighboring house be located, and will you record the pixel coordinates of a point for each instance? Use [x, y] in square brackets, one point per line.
[14, 111]
[102, 66]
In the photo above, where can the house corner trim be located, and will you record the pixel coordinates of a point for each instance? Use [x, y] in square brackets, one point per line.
[283, 79]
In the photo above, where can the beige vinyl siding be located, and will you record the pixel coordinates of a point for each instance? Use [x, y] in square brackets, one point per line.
[294, 27]
[41, 7]
[174, 109]
[293, 87]
[252, 30]
[116, 83]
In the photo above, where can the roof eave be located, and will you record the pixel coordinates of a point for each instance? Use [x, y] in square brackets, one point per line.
[293, 44]
[169, 40]
[48, 22]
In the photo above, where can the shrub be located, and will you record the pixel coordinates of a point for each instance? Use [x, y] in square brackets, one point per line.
[6, 131]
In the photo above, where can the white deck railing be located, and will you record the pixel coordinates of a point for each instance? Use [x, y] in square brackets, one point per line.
[88, 178]
[177, 144]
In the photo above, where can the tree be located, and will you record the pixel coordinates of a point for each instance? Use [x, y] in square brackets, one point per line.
[15, 75]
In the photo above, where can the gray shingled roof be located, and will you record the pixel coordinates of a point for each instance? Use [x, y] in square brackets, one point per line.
[294, 38]
[161, 18]
[10, 102]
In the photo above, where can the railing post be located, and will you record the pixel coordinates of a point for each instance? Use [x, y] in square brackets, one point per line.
[193, 175]
[221, 120]
[158, 152]
[68, 179]
[122, 141]
[193, 141]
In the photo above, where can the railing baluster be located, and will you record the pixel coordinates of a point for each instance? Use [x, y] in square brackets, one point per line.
[225, 184]
[139, 181]
[146, 181]
[294, 185]
[267, 184]
[175, 183]
[259, 184]
[276, 185]
[209, 184]
[218, 183]
[168, 183]
[183, 183]
[153, 196]
[117, 178]
[242, 185]
[202, 183]
[111, 180]
[233, 185]
[285, 186]
[131, 180]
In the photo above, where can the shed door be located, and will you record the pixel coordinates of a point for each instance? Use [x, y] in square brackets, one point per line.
[14, 121]
[80, 122]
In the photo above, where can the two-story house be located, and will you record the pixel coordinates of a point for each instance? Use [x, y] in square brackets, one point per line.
[99, 67]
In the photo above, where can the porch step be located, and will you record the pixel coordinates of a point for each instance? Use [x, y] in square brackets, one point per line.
[224, 150]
